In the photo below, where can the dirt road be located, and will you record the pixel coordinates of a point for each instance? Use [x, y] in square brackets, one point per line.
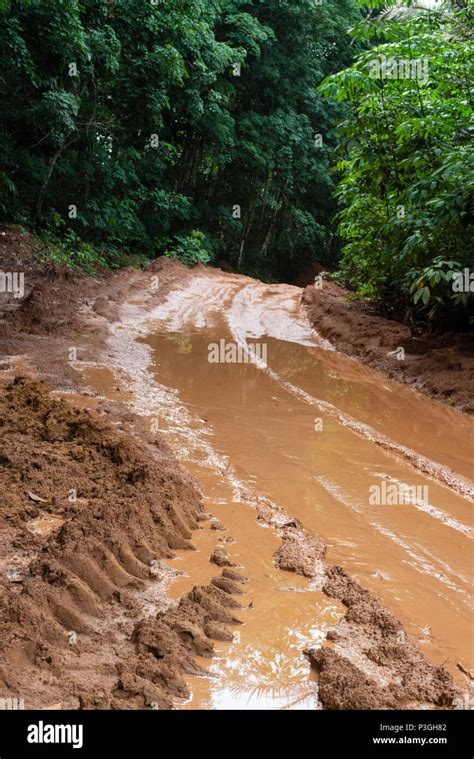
[311, 433]
[305, 460]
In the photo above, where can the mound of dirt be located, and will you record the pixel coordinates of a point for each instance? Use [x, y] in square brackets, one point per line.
[221, 558]
[370, 639]
[71, 596]
[300, 552]
[51, 294]
[440, 366]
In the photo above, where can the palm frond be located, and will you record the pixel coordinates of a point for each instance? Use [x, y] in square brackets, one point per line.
[402, 12]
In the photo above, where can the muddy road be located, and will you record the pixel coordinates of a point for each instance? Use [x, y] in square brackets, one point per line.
[276, 425]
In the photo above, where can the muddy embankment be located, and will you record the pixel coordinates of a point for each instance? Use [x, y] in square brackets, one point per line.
[441, 366]
[90, 505]
[87, 515]
[93, 504]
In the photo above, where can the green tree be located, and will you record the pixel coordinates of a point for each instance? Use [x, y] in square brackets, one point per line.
[124, 124]
[406, 164]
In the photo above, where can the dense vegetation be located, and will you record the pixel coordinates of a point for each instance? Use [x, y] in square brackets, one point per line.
[206, 129]
[407, 163]
[180, 126]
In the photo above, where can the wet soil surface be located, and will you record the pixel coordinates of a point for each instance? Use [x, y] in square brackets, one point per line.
[256, 573]
[441, 366]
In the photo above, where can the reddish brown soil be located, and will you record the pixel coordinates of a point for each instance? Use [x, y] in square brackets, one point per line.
[440, 366]
[369, 635]
[98, 575]
[88, 577]
[94, 576]
[61, 309]
[300, 552]
[368, 638]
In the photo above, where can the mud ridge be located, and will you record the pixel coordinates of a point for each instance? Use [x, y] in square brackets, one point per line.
[72, 626]
[370, 638]
[368, 661]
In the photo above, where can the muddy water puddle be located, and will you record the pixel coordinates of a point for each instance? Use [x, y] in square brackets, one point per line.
[416, 556]
[315, 436]
[264, 667]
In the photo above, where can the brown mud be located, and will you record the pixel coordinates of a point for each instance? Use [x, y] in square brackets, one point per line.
[370, 638]
[441, 366]
[105, 601]
[71, 626]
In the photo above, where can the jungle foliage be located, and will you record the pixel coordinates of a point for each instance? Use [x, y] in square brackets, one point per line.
[406, 163]
[145, 125]
[268, 133]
